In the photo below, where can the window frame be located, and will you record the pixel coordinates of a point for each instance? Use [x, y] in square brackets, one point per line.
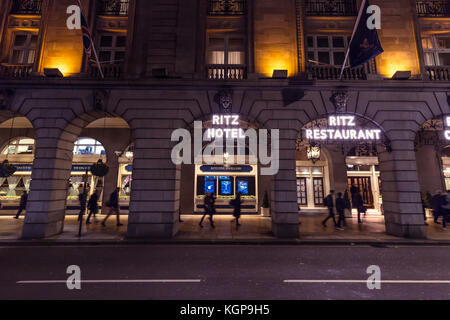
[435, 50]
[227, 48]
[330, 49]
[113, 49]
[26, 48]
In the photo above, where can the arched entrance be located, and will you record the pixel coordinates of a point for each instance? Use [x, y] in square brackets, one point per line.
[339, 152]
[237, 171]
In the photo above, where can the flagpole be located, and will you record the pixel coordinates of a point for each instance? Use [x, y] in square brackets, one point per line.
[363, 5]
[93, 48]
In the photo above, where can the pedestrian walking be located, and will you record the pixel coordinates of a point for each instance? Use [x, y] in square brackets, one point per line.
[92, 206]
[82, 198]
[22, 204]
[209, 205]
[358, 203]
[445, 209]
[113, 205]
[340, 209]
[424, 212]
[329, 203]
[237, 203]
[436, 203]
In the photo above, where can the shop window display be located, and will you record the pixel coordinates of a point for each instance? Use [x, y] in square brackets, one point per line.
[88, 146]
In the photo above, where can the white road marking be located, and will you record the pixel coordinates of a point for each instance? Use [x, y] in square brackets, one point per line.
[113, 281]
[365, 281]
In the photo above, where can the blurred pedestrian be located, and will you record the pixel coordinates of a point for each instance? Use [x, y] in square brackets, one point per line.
[92, 206]
[329, 203]
[113, 205]
[237, 203]
[22, 204]
[436, 203]
[340, 209]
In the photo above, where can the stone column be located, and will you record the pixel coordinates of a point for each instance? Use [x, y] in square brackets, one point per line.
[337, 165]
[155, 194]
[429, 169]
[401, 192]
[284, 206]
[46, 205]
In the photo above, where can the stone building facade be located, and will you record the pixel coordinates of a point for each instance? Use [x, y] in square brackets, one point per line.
[165, 62]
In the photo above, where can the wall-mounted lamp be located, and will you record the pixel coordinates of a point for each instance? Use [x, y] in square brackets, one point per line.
[313, 152]
[53, 73]
[402, 75]
[280, 74]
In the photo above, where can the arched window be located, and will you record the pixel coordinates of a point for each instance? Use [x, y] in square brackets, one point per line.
[88, 146]
[19, 146]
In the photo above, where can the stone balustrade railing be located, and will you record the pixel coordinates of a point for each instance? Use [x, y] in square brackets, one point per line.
[226, 72]
[10, 71]
[437, 73]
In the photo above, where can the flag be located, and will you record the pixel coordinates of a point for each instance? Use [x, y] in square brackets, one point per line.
[88, 42]
[365, 44]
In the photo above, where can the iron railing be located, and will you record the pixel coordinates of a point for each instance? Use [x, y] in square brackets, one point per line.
[226, 72]
[226, 7]
[26, 7]
[331, 8]
[436, 8]
[113, 7]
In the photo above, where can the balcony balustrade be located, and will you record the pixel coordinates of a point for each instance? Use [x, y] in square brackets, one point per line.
[110, 71]
[226, 72]
[12, 71]
[326, 72]
[438, 73]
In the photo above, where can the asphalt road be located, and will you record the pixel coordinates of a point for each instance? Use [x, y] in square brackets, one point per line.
[225, 272]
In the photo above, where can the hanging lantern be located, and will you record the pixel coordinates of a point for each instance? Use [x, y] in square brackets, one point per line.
[313, 152]
[99, 169]
[6, 169]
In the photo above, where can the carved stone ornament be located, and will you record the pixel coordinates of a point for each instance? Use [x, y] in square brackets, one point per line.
[100, 99]
[224, 99]
[340, 100]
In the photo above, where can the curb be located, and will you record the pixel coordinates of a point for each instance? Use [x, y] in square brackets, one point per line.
[269, 242]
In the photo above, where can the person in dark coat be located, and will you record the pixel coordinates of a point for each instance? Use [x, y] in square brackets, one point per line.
[353, 189]
[209, 206]
[23, 204]
[113, 205]
[437, 203]
[82, 198]
[340, 208]
[329, 203]
[237, 203]
[92, 206]
[358, 203]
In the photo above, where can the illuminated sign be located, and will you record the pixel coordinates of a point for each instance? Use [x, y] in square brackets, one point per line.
[343, 128]
[229, 127]
[447, 125]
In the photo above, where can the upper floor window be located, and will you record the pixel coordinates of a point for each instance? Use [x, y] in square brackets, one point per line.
[436, 50]
[331, 8]
[26, 6]
[88, 146]
[113, 7]
[226, 49]
[325, 49]
[112, 48]
[226, 7]
[19, 146]
[23, 48]
[435, 8]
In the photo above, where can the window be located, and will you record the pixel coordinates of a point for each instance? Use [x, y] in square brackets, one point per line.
[301, 192]
[112, 48]
[318, 191]
[88, 146]
[113, 7]
[328, 50]
[23, 48]
[228, 49]
[436, 50]
[19, 146]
